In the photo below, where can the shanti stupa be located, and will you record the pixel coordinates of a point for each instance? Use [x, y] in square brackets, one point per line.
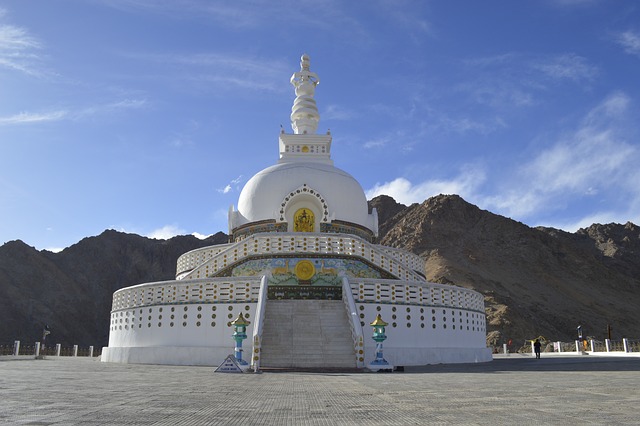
[303, 269]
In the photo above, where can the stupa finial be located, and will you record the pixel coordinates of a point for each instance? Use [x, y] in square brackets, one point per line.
[304, 113]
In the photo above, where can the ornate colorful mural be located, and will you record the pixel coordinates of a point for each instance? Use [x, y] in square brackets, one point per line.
[306, 271]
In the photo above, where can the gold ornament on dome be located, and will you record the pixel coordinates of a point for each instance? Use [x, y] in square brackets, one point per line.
[305, 270]
[303, 221]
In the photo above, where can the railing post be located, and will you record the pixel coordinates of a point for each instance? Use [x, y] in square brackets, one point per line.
[607, 344]
[37, 351]
[58, 346]
[90, 351]
[75, 350]
[625, 343]
[16, 347]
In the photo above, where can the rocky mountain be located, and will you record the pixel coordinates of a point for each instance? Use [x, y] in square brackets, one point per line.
[71, 291]
[536, 281]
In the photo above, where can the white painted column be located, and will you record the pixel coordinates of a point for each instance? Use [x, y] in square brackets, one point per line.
[593, 346]
[625, 343]
[75, 350]
[578, 346]
[504, 348]
[607, 344]
[16, 347]
[533, 349]
[559, 346]
[58, 346]
[90, 351]
[37, 354]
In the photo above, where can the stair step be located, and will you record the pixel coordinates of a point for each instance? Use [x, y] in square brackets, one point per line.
[308, 334]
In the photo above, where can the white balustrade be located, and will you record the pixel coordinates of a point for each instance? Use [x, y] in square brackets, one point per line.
[403, 267]
[213, 290]
[367, 290]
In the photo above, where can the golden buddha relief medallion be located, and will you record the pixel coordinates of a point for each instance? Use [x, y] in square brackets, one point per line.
[305, 270]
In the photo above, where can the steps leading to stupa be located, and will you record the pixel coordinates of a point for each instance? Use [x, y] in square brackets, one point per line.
[307, 334]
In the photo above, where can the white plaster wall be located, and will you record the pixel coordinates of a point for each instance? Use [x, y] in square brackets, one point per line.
[125, 333]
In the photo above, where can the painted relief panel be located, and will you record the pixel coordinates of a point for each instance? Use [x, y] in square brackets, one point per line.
[305, 271]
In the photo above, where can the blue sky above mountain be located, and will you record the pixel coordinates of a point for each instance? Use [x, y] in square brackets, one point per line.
[148, 116]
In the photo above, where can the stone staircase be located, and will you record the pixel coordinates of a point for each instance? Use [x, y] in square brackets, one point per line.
[307, 334]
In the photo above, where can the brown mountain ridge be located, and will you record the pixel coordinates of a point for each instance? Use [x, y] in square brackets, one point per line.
[536, 281]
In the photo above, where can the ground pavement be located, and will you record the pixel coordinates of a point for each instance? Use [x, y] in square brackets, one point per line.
[510, 390]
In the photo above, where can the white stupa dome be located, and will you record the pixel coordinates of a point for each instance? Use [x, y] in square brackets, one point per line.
[263, 195]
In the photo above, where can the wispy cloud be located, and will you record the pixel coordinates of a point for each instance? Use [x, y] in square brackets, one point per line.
[630, 42]
[567, 66]
[593, 165]
[516, 79]
[30, 118]
[234, 184]
[109, 108]
[19, 50]
[224, 71]
[337, 112]
[71, 114]
[595, 156]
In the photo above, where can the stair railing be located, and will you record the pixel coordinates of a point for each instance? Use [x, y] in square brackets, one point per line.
[354, 322]
[258, 325]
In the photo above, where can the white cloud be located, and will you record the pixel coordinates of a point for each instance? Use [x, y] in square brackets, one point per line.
[404, 191]
[567, 66]
[166, 232]
[224, 71]
[376, 143]
[593, 158]
[630, 41]
[200, 236]
[336, 112]
[19, 50]
[28, 118]
[234, 184]
[31, 118]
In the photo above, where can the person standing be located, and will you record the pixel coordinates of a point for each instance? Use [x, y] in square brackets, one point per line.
[536, 348]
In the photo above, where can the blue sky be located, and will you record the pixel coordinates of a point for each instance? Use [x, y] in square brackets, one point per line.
[148, 116]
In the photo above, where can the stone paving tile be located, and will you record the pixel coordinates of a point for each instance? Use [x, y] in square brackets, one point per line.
[80, 391]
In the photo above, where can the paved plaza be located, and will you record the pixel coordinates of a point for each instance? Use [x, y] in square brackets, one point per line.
[514, 390]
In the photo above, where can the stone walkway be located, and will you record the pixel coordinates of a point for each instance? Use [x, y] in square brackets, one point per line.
[553, 390]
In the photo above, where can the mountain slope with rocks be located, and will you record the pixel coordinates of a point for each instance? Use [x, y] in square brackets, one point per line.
[71, 291]
[536, 281]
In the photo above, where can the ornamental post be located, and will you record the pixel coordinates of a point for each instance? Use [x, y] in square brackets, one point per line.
[240, 324]
[379, 363]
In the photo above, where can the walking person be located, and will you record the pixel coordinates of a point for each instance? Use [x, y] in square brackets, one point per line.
[536, 348]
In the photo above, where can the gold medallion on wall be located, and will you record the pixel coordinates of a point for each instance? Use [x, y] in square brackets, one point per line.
[305, 270]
